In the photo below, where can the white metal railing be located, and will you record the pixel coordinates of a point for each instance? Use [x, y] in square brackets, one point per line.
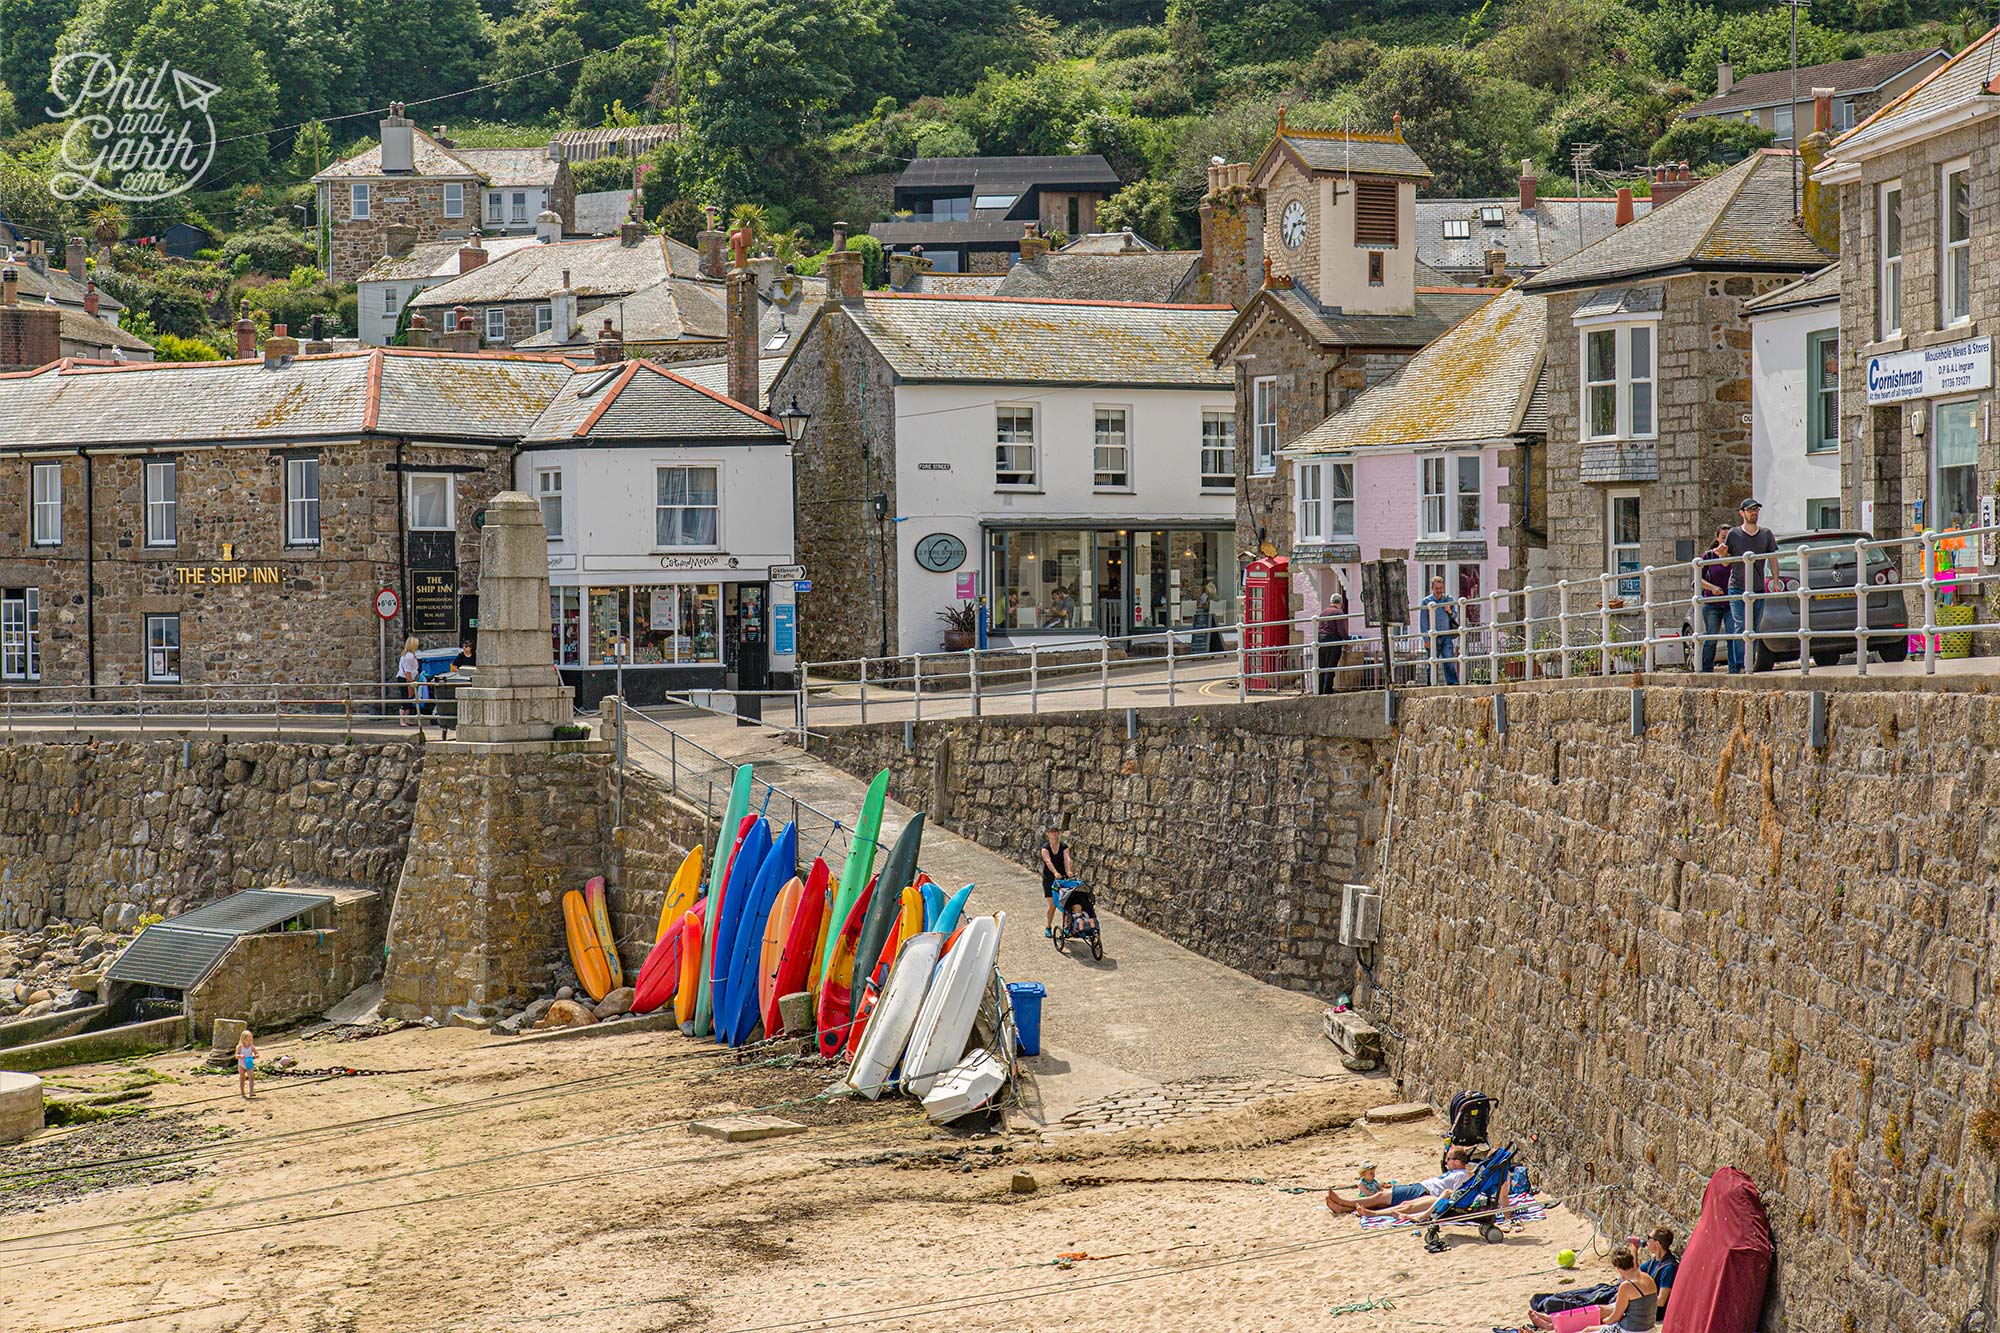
[32, 708]
[1641, 620]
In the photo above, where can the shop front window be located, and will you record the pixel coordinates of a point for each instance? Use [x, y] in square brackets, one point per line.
[1955, 439]
[566, 625]
[666, 625]
[1043, 580]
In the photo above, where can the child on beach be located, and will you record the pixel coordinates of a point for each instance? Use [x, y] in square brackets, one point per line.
[246, 1065]
[1369, 1185]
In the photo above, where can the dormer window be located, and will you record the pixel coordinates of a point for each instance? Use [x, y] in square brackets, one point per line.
[1492, 215]
[1375, 213]
[1458, 229]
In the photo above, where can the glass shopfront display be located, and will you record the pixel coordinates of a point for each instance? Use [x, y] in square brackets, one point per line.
[664, 625]
[1111, 580]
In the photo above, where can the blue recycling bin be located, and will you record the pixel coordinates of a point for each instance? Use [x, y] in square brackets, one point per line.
[1027, 999]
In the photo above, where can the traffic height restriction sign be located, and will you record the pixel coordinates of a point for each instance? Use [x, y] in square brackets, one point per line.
[387, 604]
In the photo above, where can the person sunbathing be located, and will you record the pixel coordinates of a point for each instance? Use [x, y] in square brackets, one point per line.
[1400, 1199]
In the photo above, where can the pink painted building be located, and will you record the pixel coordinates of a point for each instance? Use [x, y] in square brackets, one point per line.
[1439, 465]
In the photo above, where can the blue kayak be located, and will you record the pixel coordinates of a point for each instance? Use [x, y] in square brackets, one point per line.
[749, 860]
[954, 908]
[743, 1006]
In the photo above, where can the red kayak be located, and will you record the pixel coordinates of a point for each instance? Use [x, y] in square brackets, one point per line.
[659, 975]
[835, 996]
[801, 943]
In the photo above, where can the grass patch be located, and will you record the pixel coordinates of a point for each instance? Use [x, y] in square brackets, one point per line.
[61, 1115]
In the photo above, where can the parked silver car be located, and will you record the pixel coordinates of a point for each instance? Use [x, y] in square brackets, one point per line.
[1829, 565]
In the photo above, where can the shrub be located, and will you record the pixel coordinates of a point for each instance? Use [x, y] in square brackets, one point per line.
[1710, 141]
[270, 249]
[1129, 42]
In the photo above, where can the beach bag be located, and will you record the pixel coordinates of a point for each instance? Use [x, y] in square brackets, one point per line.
[1584, 1316]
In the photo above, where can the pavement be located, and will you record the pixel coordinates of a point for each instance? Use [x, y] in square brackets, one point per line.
[1151, 1016]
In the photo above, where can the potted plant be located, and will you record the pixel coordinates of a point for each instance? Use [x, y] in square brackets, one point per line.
[961, 626]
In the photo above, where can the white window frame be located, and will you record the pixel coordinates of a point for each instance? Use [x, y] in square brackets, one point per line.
[454, 199]
[496, 206]
[1624, 584]
[45, 488]
[660, 509]
[1492, 215]
[1006, 447]
[519, 206]
[1340, 501]
[549, 490]
[1111, 463]
[1457, 229]
[1634, 381]
[21, 634]
[1934, 513]
[1264, 425]
[1782, 121]
[545, 318]
[1218, 460]
[1888, 267]
[450, 523]
[390, 305]
[169, 675]
[302, 502]
[162, 503]
[357, 201]
[1311, 506]
[496, 324]
[1822, 399]
[1952, 291]
[1434, 497]
[1461, 495]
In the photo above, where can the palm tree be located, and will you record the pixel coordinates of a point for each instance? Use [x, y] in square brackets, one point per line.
[108, 222]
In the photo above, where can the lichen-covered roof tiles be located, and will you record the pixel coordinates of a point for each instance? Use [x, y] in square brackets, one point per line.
[1739, 220]
[1473, 384]
[1813, 289]
[606, 267]
[1968, 77]
[1136, 275]
[430, 158]
[643, 401]
[993, 340]
[1336, 150]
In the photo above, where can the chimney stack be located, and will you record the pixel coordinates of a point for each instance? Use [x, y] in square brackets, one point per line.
[437, 132]
[38, 258]
[1527, 185]
[562, 311]
[1034, 246]
[630, 232]
[399, 143]
[548, 226]
[740, 322]
[1822, 110]
[246, 333]
[904, 270]
[1671, 180]
[1819, 205]
[1725, 74]
[710, 240]
[30, 335]
[1496, 270]
[610, 347]
[1626, 212]
[73, 254]
[1232, 233]
[419, 334]
[472, 254]
[92, 303]
[280, 347]
[398, 239]
[316, 342]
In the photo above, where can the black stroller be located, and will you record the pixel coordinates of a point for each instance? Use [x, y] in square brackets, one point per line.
[1471, 1116]
[1076, 917]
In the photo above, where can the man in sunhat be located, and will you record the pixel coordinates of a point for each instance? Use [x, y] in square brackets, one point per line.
[1747, 577]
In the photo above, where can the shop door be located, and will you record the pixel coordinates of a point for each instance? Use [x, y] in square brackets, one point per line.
[753, 638]
[1114, 615]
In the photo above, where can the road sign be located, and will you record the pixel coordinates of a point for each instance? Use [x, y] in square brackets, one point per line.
[802, 585]
[387, 604]
[780, 573]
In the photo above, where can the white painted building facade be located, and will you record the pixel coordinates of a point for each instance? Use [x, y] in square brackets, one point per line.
[1795, 405]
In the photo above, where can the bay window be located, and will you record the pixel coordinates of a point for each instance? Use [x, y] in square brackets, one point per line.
[1889, 260]
[1619, 375]
[1955, 237]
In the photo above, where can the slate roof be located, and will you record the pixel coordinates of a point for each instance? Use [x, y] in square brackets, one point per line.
[1437, 309]
[1535, 419]
[1741, 219]
[59, 284]
[574, 144]
[90, 331]
[915, 231]
[677, 310]
[1124, 242]
[1533, 238]
[429, 157]
[958, 284]
[643, 401]
[505, 167]
[598, 212]
[1968, 76]
[1845, 77]
[454, 396]
[1473, 383]
[1813, 289]
[438, 259]
[1141, 275]
[1336, 150]
[1008, 175]
[991, 340]
[606, 267]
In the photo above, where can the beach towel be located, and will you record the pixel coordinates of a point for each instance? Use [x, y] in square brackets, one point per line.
[1532, 1211]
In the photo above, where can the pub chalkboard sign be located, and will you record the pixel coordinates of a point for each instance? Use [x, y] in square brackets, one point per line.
[434, 601]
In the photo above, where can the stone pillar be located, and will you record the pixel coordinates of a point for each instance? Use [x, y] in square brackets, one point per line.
[518, 695]
[740, 321]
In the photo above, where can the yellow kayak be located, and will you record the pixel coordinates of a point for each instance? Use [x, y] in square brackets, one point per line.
[685, 887]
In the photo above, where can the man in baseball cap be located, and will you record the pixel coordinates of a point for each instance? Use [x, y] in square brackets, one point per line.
[1747, 577]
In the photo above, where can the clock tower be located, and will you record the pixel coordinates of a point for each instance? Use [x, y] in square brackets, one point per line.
[1340, 216]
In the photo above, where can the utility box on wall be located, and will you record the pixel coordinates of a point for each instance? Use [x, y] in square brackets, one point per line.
[1360, 914]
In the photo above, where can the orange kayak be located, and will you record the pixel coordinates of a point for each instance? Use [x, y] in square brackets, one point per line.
[600, 917]
[586, 954]
[682, 890]
[777, 929]
[872, 992]
[835, 997]
[690, 929]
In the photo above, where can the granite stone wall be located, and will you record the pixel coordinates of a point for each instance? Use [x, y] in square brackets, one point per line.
[1229, 830]
[1719, 945]
[171, 825]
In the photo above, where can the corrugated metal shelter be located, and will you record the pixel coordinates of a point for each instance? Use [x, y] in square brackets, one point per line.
[177, 954]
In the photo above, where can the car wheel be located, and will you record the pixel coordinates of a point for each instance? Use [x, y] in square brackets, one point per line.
[1762, 658]
[1827, 656]
[1894, 650]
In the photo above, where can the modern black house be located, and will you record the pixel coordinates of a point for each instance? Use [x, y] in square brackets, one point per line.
[968, 214]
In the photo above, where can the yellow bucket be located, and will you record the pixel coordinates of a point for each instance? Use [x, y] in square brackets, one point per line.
[1958, 644]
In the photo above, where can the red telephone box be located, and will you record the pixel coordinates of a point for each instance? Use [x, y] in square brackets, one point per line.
[1267, 613]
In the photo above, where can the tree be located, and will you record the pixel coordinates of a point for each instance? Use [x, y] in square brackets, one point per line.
[312, 151]
[305, 53]
[537, 51]
[945, 46]
[1759, 42]
[1034, 114]
[210, 39]
[1557, 44]
[1710, 141]
[630, 75]
[28, 32]
[763, 77]
[404, 52]
[1466, 125]
[1147, 207]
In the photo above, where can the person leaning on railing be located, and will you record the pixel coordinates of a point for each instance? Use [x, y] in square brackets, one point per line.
[1747, 577]
[1437, 614]
[1711, 576]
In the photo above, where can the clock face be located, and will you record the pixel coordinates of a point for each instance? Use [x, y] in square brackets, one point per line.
[1292, 226]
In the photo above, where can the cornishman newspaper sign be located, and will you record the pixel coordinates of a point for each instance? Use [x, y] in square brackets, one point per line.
[1931, 372]
[135, 135]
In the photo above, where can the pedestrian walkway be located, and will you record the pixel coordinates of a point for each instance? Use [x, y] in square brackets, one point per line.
[1150, 1014]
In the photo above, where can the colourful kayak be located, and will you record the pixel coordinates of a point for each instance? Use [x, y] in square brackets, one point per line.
[600, 917]
[737, 1017]
[816, 967]
[872, 992]
[732, 815]
[682, 890]
[801, 946]
[898, 873]
[860, 859]
[911, 924]
[933, 903]
[954, 908]
[834, 995]
[777, 929]
[586, 955]
[737, 895]
[690, 930]
[660, 975]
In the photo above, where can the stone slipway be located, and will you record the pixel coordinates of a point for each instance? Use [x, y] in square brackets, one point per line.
[1151, 1013]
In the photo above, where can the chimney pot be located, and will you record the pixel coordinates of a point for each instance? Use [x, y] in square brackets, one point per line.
[1625, 209]
[839, 236]
[1527, 185]
[1822, 110]
[246, 333]
[1034, 246]
[610, 347]
[1725, 74]
[280, 347]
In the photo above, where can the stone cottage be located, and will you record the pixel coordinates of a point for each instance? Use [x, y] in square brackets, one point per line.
[1649, 369]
